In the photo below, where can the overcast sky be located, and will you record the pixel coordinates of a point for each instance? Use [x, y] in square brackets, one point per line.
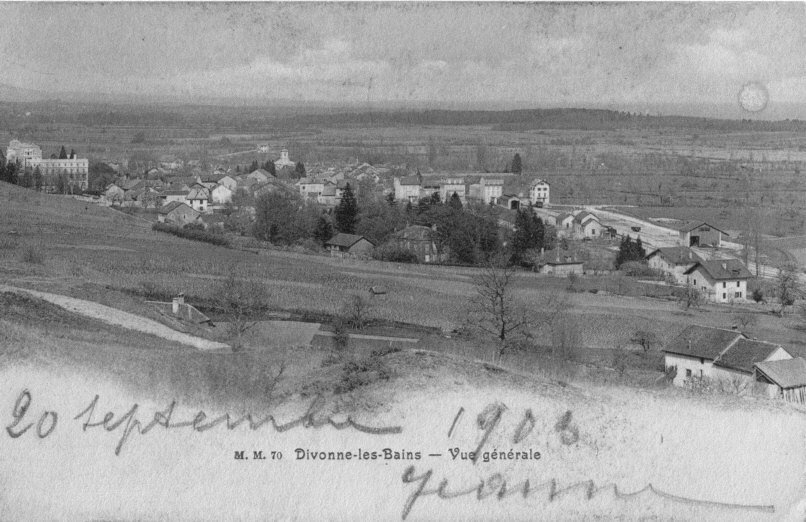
[526, 54]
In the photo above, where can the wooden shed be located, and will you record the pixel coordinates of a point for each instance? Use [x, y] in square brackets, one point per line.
[785, 378]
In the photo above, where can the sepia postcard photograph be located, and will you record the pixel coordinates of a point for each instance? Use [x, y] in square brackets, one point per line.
[413, 261]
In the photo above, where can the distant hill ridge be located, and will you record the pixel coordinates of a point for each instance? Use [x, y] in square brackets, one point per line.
[292, 117]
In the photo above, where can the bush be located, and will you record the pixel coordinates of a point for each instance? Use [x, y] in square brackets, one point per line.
[395, 254]
[193, 234]
[757, 295]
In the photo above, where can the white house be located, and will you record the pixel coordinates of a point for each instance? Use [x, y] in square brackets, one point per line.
[720, 280]
[24, 153]
[587, 225]
[220, 195]
[487, 190]
[539, 193]
[702, 352]
[198, 198]
[673, 261]
[407, 189]
[450, 186]
[692, 353]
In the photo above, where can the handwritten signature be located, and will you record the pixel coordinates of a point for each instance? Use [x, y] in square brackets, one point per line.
[129, 422]
[496, 486]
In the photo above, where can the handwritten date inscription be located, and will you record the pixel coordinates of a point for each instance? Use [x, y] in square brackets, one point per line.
[129, 423]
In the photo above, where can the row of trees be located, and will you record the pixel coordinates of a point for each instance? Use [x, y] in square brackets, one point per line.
[630, 250]
[467, 233]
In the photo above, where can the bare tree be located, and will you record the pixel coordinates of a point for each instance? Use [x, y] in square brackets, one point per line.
[645, 339]
[690, 297]
[493, 308]
[240, 300]
[745, 320]
[356, 311]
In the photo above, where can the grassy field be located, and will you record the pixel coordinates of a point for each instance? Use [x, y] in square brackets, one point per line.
[59, 245]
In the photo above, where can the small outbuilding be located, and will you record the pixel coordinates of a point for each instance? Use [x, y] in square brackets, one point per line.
[785, 378]
[344, 245]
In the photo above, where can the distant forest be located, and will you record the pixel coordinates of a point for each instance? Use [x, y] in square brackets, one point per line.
[257, 118]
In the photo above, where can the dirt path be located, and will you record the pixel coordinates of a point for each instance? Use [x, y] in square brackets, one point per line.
[117, 317]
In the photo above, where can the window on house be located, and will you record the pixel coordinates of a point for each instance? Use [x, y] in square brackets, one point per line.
[724, 296]
[738, 295]
[688, 373]
[724, 284]
[737, 284]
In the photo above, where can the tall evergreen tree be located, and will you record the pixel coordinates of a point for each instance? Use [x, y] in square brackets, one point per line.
[347, 211]
[63, 153]
[323, 231]
[529, 234]
[517, 167]
[455, 202]
[72, 153]
[27, 178]
[299, 170]
[254, 166]
[271, 168]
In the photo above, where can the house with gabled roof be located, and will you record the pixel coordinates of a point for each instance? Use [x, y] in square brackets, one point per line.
[408, 188]
[486, 190]
[539, 193]
[260, 175]
[344, 245]
[199, 197]
[587, 224]
[220, 194]
[699, 233]
[740, 359]
[168, 196]
[177, 213]
[229, 182]
[784, 378]
[702, 352]
[693, 352]
[673, 261]
[114, 194]
[720, 280]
